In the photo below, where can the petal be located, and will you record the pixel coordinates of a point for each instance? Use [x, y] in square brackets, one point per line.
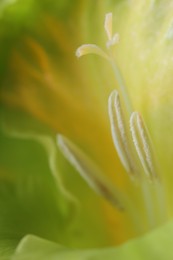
[153, 246]
[40, 194]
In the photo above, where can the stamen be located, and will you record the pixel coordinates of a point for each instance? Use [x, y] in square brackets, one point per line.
[89, 171]
[123, 144]
[108, 25]
[118, 132]
[142, 144]
[90, 49]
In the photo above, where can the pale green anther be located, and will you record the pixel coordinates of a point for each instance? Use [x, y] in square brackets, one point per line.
[142, 144]
[89, 171]
[119, 134]
[97, 180]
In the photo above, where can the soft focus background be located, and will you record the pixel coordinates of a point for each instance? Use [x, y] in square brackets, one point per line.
[46, 90]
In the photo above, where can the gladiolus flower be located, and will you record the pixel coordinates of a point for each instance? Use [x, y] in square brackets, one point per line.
[86, 149]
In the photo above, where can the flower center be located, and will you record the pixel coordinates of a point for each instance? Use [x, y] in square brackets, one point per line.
[133, 145]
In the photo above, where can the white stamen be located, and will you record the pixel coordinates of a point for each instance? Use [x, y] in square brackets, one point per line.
[90, 49]
[89, 171]
[142, 144]
[118, 132]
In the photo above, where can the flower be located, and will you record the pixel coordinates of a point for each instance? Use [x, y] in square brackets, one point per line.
[110, 116]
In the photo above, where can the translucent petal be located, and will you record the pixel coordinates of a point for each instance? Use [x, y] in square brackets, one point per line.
[153, 246]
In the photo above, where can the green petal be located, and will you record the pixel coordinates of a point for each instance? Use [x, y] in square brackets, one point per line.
[39, 199]
[30, 200]
[154, 245]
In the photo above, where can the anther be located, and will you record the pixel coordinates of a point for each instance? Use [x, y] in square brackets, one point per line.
[89, 171]
[119, 132]
[142, 144]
